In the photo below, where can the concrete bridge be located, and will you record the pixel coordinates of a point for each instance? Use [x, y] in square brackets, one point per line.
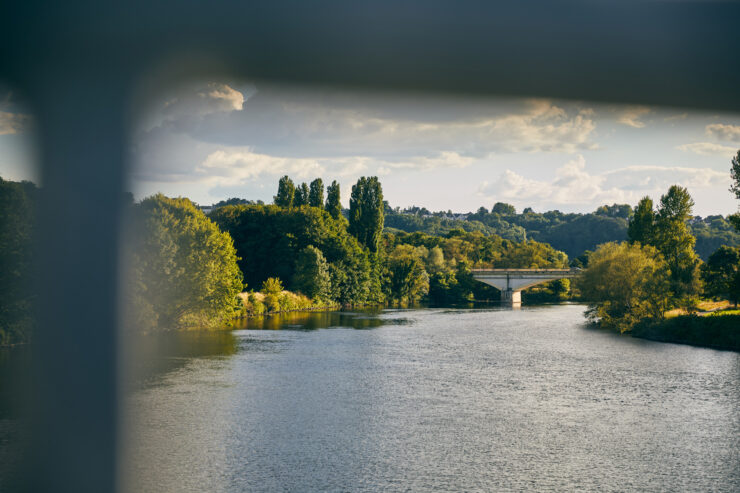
[511, 282]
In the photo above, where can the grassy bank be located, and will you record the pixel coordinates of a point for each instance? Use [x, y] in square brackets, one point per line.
[257, 303]
[719, 330]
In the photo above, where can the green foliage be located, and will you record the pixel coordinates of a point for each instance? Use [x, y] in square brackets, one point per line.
[272, 285]
[301, 195]
[406, 278]
[312, 273]
[183, 269]
[286, 193]
[735, 220]
[316, 193]
[17, 226]
[366, 212]
[615, 210]
[642, 225]
[625, 283]
[735, 174]
[675, 241]
[712, 232]
[448, 261]
[503, 209]
[333, 204]
[268, 239]
[721, 274]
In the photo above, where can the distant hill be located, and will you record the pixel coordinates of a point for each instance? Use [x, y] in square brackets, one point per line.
[572, 233]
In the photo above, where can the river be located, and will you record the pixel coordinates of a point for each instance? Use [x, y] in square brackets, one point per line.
[431, 400]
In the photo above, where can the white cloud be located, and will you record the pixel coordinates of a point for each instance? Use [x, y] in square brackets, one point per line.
[648, 178]
[631, 116]
[13, 123]
[721, 131]
[707, 149]
[574, 185]
[205, 99]
[239, 166]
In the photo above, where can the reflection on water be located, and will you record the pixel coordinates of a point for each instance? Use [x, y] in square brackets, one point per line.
[436, 399]
[365, 319]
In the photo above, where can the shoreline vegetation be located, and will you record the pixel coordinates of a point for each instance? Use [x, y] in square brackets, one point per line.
[192, 267]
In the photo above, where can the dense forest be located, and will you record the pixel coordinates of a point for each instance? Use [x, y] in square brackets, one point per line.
[571, 233]
[188, 269]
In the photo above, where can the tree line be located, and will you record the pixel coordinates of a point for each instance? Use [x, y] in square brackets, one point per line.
[657, 269]
[189, 269]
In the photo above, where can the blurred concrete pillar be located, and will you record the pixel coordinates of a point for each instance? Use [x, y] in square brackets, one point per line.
[73, 401]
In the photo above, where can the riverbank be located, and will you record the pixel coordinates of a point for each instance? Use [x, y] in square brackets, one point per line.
[717, 331]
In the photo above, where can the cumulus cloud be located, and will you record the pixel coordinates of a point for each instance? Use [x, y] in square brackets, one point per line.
[720, 131]
[211, 98]
[574, 185]
[631, 116]
[13, 123]
[707, 149]
[239, 166]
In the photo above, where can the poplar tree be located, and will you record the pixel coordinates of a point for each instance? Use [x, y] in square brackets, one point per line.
[366, 212]
[286, 193]
[333, 204]
[674, 240]
[316, 193]
[735, 187]
[301, 195]
[641, 227]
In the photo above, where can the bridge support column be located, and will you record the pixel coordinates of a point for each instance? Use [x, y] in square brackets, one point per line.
[511, 297]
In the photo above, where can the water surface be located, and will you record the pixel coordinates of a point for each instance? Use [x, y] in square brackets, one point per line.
[435, 400]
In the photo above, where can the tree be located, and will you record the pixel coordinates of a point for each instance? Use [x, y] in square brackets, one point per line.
[735, 188]
[301, 195]
[642, 225]
[272, 288]
[721, 274]
[406, 279]
[625, 283]
[735, 173]
[503, 209]
[316, 193]
[333, 204]
[286, 193]
[674, 240]
[17, 228]
[366, 212]
[312, 274]
[184, 270]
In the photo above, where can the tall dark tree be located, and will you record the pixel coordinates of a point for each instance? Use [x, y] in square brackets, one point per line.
[366, 212]
[316, 193]
[333, 204]
[642, 225]
[286, 193]
[301, 195]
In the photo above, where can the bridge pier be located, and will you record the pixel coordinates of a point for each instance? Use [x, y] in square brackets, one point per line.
[511, 297]
[511, 282]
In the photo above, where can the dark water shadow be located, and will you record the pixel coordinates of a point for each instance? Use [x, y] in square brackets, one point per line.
[306, 321]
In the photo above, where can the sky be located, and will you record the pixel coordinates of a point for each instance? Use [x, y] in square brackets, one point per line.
[210, 140]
